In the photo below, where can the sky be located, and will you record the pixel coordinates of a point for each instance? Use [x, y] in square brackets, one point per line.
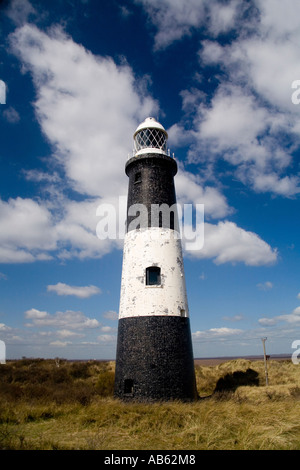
[76, 79]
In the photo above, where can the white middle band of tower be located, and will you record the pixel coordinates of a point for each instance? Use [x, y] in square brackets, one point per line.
[153, 248]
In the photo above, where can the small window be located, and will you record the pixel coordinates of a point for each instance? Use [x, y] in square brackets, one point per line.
[153, 276]
[138, 177]
[128, 386]
[182, 312]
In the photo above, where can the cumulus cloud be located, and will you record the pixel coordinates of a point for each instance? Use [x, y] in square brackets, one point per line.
[106, 338]
[19, 11]
[216, 333]
[39, 230]
[4, 328]
[108, 329]
[111, 315]
[226, 242]
[190, 190]
[69, 319]
[291, 318]
[82, 292]
[267, 321]
[34, 314]
[26, 230]
[173, 18]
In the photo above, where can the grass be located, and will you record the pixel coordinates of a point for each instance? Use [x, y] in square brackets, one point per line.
[53, 405]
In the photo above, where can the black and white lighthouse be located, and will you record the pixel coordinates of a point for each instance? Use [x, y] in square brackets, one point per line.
[154, 358]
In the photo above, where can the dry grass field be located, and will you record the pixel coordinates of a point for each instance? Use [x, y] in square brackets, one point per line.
[61, 405]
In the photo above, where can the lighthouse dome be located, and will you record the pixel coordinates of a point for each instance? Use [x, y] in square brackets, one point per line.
[150, 137]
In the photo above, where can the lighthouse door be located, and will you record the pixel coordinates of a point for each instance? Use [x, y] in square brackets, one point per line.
[128, 386]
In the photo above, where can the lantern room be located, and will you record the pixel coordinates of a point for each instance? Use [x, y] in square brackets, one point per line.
[150, 137]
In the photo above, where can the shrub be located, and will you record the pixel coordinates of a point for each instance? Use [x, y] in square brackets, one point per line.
[105, 384]
[80, 370]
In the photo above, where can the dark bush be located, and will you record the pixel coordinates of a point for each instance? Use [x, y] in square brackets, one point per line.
[43, 381]
[80, 370]
[6, 373]
[105, 384]
[61, 375]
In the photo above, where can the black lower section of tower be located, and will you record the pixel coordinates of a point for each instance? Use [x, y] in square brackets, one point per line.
[155, 359]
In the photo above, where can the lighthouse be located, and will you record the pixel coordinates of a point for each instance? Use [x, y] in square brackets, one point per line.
[154, 359]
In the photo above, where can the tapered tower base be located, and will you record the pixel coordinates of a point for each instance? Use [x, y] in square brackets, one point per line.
[155, 359]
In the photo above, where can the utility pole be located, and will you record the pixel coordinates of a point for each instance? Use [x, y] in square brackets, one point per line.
[265, 360]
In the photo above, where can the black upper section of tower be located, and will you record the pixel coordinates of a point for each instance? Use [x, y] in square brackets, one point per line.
[151, 185]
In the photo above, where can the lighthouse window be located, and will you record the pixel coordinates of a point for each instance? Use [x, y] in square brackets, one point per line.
[153, 276]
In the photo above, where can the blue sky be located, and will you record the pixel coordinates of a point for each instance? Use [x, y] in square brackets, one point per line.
[79, 77]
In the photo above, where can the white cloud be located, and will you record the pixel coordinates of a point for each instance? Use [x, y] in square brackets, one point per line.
[279, 18]
[34, 314]
[222, 16]
[226, 242]
[4, 328]
[26, 230]
[77, 229]
[11, 115]
[19, 11]
[173, 18]
[234, 318]
[267, 321]
[106, 338]
[216, 333]
[189, 190]
[67, 333]
[59, 344]
[111, 315]
[232, 118]
[32, 231]
[265, 285]
[292, 318]
[237, 128]
[69, 320]
[82, 292]
[108, 329]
